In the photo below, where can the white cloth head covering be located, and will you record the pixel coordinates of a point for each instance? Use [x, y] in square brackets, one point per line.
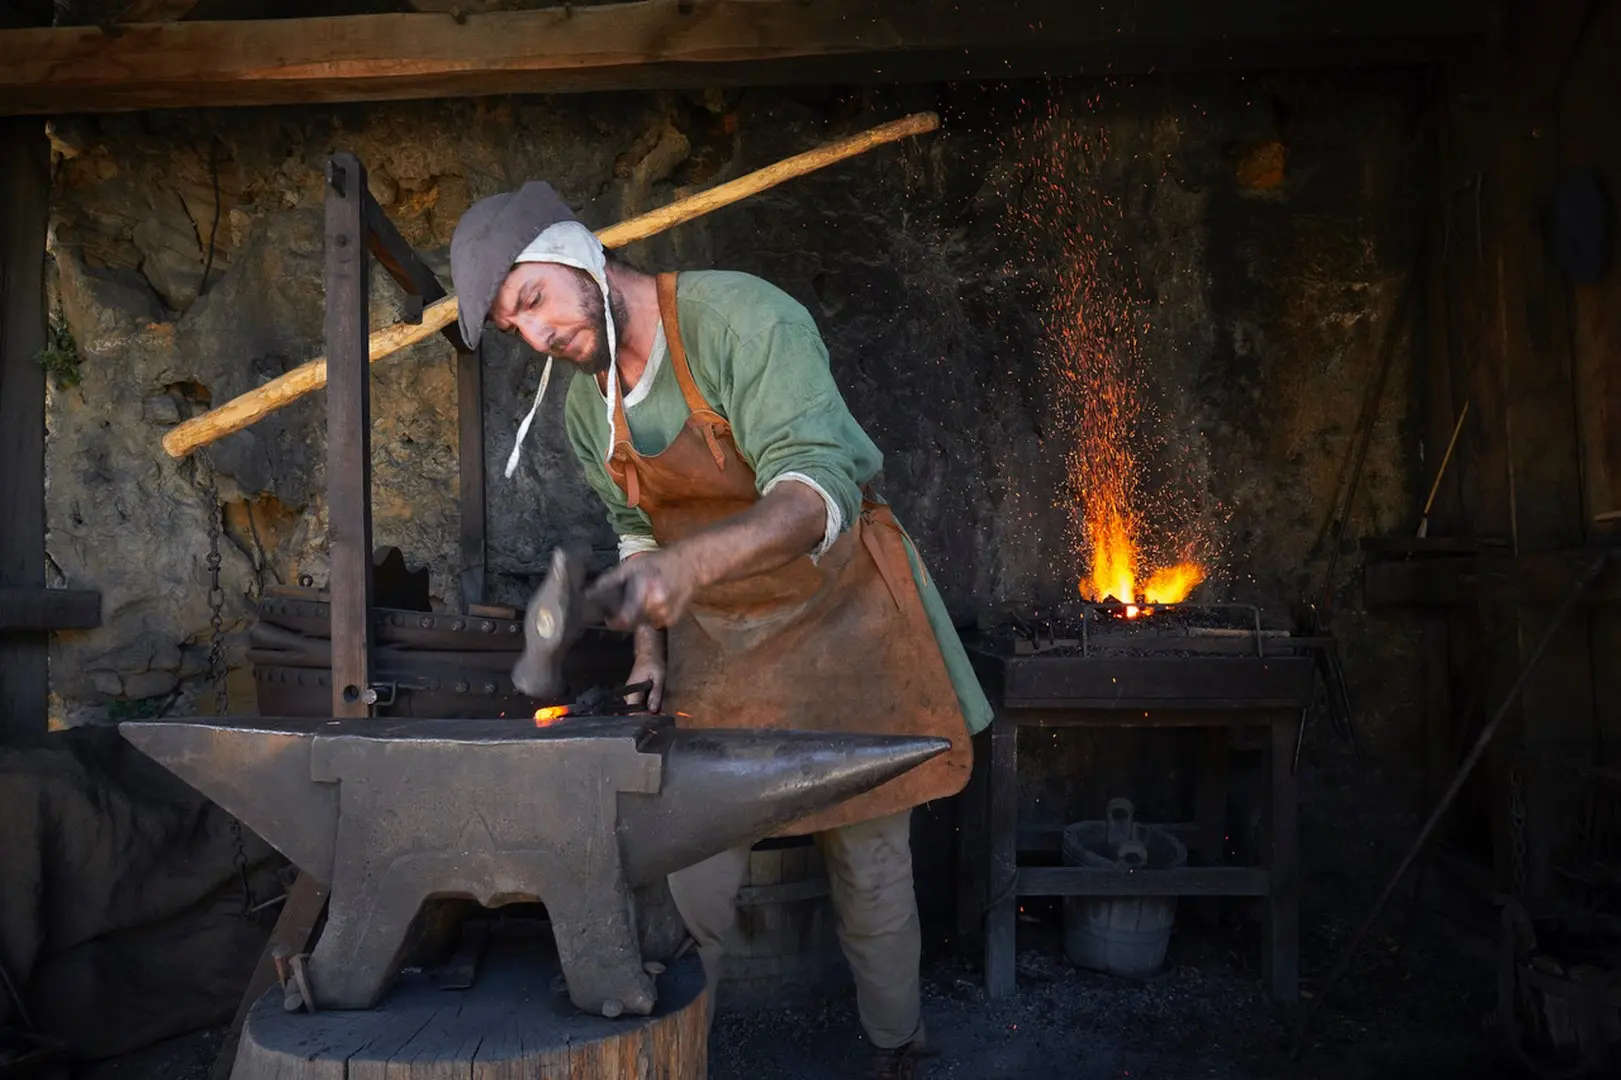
[570, 243]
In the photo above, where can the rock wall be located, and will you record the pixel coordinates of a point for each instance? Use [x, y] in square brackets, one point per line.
[1254, 231]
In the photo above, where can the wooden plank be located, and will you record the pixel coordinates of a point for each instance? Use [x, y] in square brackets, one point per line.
[470, 472]
[1182, 881]
[1154, 715]
[1531, 347]
[348, 410]
[718, 42]
[48, 609]
[1534, 578]
[405, 266]
[24, 209]
[1244, 682]
[299, 914]
[1280, 927]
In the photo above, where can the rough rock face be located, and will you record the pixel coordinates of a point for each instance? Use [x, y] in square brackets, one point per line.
[1261, 227]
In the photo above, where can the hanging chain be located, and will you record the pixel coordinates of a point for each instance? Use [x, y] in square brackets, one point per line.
[216, 664]
[1516, 821]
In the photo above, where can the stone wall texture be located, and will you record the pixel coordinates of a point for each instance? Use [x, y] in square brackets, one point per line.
[1249, 236]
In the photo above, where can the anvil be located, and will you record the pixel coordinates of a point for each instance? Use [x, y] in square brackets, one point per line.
[389, 813]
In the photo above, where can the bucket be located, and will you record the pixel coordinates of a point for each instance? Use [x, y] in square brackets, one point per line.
[787, 941]
[1120, 935]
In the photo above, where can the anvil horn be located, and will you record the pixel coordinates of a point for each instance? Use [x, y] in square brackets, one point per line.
[726, 788]
[263, 780]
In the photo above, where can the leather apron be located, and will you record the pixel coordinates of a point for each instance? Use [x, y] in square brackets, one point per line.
[838, 644]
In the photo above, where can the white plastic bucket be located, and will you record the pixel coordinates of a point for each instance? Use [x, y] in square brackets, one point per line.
[1120, 935]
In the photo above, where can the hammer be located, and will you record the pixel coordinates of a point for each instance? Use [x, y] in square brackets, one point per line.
[557, 614]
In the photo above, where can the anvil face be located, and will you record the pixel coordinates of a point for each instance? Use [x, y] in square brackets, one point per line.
[389, 813]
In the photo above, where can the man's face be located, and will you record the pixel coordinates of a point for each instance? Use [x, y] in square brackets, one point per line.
[557, 310]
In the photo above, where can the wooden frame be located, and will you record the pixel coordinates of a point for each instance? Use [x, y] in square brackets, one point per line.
[1276, 884]
[666, 44]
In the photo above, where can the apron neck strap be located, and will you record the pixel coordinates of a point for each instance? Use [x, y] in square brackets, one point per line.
[678, 351]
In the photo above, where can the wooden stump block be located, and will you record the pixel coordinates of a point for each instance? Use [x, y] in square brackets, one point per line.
[516, 1021]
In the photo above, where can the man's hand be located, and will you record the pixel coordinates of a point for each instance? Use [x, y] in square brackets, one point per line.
[653, 590]
[648, 667]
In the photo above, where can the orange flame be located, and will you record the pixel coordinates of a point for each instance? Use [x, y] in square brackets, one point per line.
[549, 715]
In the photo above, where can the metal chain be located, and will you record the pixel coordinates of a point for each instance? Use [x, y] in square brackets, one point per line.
[1516, 821]
[216, 664]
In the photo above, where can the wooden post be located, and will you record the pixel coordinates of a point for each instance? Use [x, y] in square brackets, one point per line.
[1001, 916]
[1530, 348]
[470, 470]
[1280, 954]
[348, 425]
[25, 186]
[1591, 87]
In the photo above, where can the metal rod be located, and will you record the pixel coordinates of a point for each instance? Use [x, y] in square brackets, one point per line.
[1475, 753]
[1440, 473]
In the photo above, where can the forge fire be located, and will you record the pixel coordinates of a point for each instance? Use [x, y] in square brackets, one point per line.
[1092, 329]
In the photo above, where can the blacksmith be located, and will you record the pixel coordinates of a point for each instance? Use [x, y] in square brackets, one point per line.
[767, 585]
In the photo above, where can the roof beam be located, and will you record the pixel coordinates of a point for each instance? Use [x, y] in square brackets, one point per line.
[662, 43]
[155, 11]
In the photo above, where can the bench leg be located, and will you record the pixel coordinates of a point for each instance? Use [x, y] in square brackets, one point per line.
[1281, 961]
[1001, 916]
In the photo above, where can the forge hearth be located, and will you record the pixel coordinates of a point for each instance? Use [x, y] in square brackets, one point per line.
[1213, 667]
[1171, 657]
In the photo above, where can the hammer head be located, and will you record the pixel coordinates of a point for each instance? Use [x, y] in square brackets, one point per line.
[554, 620]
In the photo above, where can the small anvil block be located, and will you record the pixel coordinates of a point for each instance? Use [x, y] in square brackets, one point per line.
[389, 813]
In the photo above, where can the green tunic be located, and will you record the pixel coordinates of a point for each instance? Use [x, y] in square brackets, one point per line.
[759, 360]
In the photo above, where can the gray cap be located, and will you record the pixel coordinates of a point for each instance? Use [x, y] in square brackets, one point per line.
[492, 233]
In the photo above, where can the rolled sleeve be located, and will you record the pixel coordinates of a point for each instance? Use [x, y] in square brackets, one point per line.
[835, 516]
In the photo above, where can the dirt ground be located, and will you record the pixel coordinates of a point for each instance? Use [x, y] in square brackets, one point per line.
[1417, 1012]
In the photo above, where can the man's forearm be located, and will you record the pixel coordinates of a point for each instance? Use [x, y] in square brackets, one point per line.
[777, 529]
[649, 644]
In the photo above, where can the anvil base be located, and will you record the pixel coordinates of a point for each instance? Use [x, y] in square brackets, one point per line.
[515, 1021]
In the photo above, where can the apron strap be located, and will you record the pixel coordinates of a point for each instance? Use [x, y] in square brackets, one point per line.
[678, 349]
[704, 417]
[890, 557]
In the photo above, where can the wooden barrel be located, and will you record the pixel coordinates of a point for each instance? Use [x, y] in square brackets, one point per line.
[514, 1022]
[788, 944]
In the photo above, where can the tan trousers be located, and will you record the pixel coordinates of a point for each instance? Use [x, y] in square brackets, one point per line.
[869, 869]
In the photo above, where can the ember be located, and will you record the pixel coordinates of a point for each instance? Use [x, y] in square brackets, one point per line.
[549, 715]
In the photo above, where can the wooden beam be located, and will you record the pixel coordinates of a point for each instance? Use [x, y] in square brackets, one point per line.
[1539, 578]
[25, 183]
[23, 608]
[155, 11]
[718, 42]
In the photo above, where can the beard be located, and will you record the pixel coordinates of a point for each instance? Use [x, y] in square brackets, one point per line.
[596, 361]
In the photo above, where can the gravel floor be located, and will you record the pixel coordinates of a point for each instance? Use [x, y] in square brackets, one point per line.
[1205, 1016]
[1419, 1013]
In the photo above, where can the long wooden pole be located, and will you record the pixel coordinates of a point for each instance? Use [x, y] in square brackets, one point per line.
[261, 401]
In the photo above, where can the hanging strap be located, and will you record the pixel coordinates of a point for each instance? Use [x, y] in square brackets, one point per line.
[523, 428]
[703, 416]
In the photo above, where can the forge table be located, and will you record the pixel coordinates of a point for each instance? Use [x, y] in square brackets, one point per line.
[1213, 691]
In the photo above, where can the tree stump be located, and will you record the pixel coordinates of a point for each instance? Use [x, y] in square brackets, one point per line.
[514, 1021]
